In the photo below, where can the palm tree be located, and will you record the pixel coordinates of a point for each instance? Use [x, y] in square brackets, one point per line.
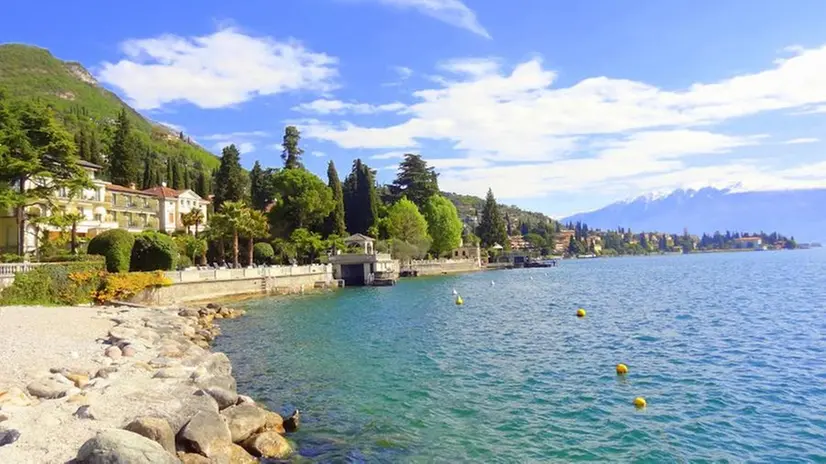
[197, 217]
[186, 220]
[235, 214]
[218, 230]
[255, 226]
[73, 219]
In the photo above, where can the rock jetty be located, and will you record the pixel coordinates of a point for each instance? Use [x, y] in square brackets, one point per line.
[154, 393]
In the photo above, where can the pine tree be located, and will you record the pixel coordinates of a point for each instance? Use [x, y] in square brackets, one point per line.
[123, 162]
[95, 155]
[335, 222]
[492, 227]
[415, 180]
[360, 199]
[292, 153]
[258, 190]
[231, 181]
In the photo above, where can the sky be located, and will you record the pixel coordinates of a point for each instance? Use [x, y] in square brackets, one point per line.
[558, 106]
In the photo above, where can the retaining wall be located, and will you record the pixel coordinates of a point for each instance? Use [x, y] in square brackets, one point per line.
[442, 266]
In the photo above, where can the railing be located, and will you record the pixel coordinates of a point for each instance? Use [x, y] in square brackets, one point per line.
[10, 269]
[196, 275]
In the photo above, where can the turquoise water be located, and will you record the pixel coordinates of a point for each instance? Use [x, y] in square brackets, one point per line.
[728, 349]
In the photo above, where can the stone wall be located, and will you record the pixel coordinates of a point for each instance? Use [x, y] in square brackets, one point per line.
[185, 288]
[442, 266]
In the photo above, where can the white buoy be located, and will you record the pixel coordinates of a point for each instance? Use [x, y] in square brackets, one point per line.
[455, 292]
[531, 277]
[492, 283]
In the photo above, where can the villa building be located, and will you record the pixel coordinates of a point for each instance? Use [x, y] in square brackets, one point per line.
[104, 206]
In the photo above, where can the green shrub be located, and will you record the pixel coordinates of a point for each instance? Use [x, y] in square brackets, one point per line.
[189, 248]
[184, 261]
[68, 258]
[54, 284]
[11, 258]
[262, 253]
[153, 251]
[116, 246]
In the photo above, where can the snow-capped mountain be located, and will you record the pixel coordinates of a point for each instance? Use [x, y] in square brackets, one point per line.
[801, 213]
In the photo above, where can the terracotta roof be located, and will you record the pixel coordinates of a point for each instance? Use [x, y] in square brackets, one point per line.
[164, 192]
[120, 188]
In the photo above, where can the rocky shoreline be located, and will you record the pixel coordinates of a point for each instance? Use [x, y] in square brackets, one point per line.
[154, 394]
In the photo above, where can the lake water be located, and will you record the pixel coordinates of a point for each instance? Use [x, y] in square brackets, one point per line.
[728, 349]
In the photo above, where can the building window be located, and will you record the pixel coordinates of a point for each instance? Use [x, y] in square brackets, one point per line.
[99, 217]
[114, 198]
[171, 218]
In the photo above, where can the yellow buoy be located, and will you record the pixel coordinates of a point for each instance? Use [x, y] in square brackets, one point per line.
[459, 300]
[639, 402]
[622, 369]
[580, 312]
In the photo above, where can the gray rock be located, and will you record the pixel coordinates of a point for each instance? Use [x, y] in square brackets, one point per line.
[123, 447]
[217, 364]
[227, 383]
[129, 351]
[8, 437]
[161, 361]
[206, 433]
[177, 372]
[113, 352]
[189, 406]
[52, 386]
[213, 306]
[267, 445]
[244, 420]
[188, 312]
[225, 398]
[3, 417]
[195, 458]
[155, 429]
[85, 412]
[122, 333]
[238, 455]
[104, 372]
[244, 399]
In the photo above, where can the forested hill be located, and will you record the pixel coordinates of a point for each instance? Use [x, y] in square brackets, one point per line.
[470, 206]
[89, 112]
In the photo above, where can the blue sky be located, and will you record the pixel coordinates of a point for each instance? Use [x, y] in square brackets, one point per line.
[560, 107]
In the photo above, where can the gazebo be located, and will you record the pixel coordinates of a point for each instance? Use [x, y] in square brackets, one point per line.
[361, 241]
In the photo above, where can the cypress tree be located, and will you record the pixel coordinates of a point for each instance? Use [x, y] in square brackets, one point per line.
[360, 199]
[147, 174]
[123, 162]
[230, 182]
[492, 227]
[258, 191]
[292, 152]
[335, 222]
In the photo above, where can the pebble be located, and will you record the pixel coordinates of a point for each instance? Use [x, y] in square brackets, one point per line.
[113, 352]
[85, 412]
[129, 351]
[8, 437]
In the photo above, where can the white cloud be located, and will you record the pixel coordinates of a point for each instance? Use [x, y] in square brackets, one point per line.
[453, 12]
[389, 155]
[538, 138]
[324, 106]
[403, 71]
[243, 147]
[319, 154]
[235, 135]
[175, 127]
[215, 71]
[801, 140]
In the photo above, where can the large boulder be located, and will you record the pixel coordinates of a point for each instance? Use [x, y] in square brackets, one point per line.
[122, 447]
[155, 429]
[244, 420]
[238, 455]
[189, 406]
[224, 397]
[207, 434]
[274, 422]
[217, 364]
[267, 445]
[51, 386]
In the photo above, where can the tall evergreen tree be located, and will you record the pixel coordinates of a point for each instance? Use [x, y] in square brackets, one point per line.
[176, 175]
[361, 200]
[95, 156]
[230, 182]
[292, 152]
[415, 180]
[335, 222]
[258, 190]
[492, 226]
[202, 184]
[123, 159]
[147, 174]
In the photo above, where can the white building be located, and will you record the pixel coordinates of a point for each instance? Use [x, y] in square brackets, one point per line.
[174, 203]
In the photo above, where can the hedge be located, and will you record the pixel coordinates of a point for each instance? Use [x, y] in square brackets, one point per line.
[262, 253]
[54, 284]
[116, 246]
[153, 251]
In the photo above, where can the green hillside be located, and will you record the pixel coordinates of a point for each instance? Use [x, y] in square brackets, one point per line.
[28, 72]
[470, 207]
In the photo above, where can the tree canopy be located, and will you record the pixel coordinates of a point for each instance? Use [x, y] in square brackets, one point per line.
[123, 156]
[405, 222]
[492, 226]
[415, 180]
[443, 225]
[302, 201]
[292, 152]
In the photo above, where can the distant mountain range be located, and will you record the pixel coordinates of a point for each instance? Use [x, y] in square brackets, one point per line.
[801, 213]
